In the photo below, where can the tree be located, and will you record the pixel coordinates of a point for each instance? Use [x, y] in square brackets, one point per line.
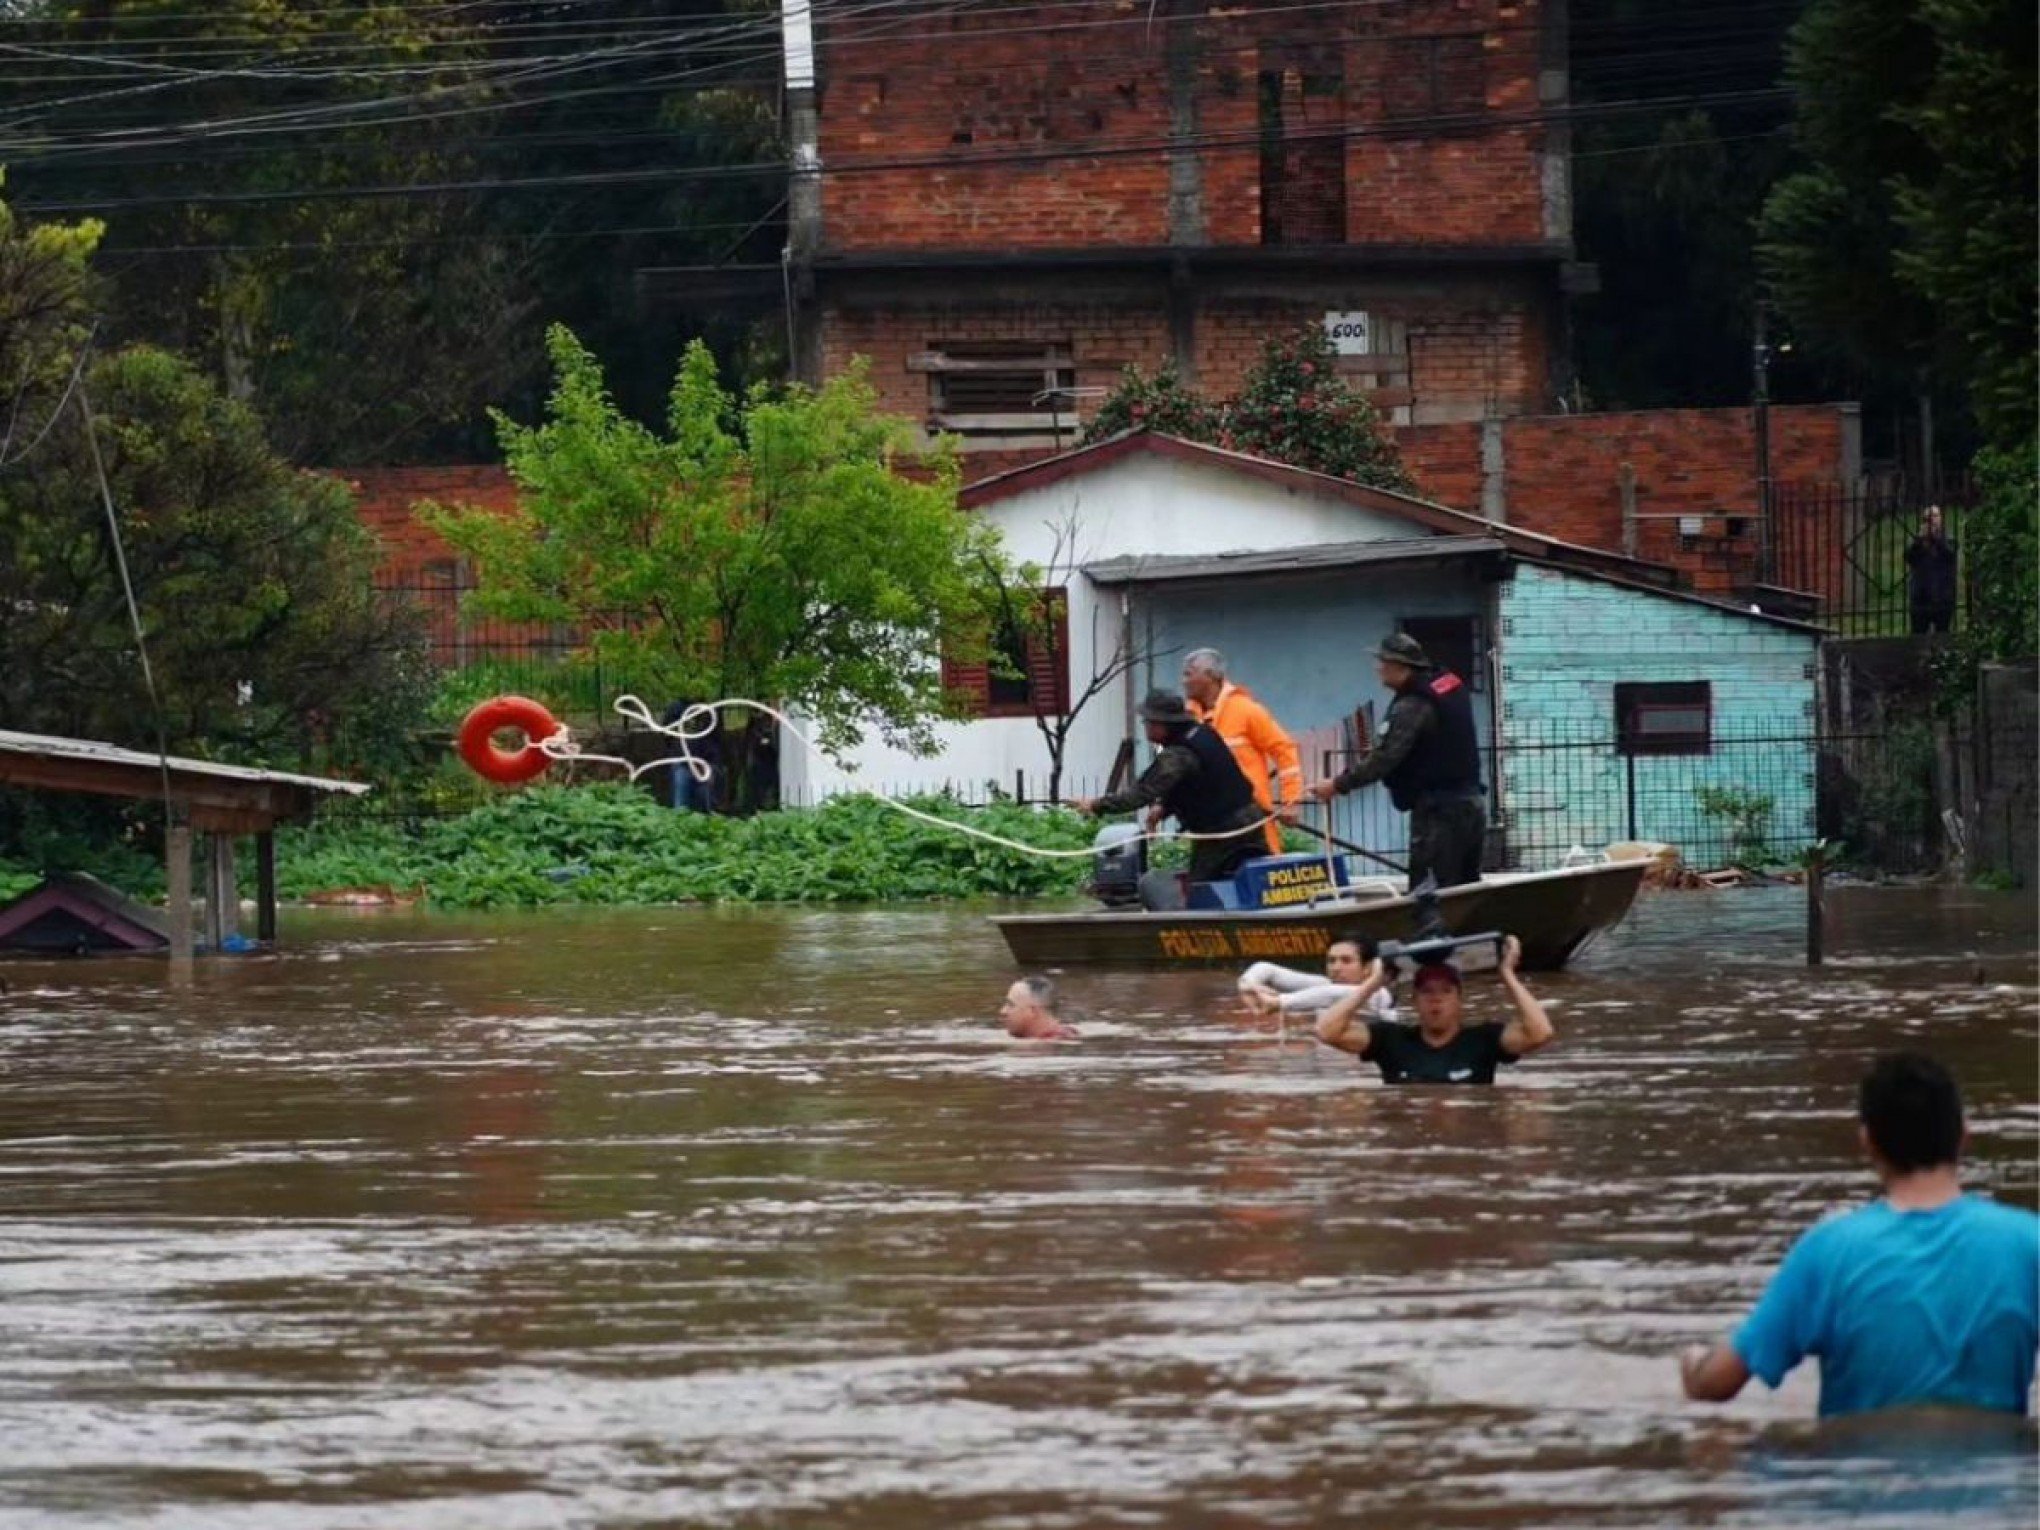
[1293, 407]
[1031, 616]
[1908, 241]
[1663, 200]
[1970, 216]
[359, 217]
[267, 640]
[792, 547]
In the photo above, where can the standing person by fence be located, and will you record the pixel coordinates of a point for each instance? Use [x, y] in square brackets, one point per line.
[1930, 576]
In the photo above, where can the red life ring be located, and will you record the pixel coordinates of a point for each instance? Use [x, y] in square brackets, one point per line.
[478, 743]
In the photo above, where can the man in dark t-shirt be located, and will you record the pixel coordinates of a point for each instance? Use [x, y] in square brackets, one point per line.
[1440, 1048]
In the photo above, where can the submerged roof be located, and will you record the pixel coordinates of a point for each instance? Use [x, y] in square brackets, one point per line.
[222, 798]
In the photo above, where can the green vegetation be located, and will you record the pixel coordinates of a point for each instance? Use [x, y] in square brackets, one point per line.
[612, 844]
[1294, 408]
[267, 642]
[793, 546]
[1748, 818]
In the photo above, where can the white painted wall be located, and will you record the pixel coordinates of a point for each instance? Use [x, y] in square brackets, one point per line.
[1139, 505]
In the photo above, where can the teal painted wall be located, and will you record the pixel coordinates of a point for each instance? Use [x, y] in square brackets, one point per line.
[1565, 642]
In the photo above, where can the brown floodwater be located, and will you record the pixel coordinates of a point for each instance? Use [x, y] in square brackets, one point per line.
[755, 1218]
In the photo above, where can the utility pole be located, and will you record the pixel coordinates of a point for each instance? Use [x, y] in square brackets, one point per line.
[804, 190]
[1760, 428]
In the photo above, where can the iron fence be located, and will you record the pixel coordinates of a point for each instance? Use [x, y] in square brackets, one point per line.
[1846, 543]
[1752, 797]
[495, 656]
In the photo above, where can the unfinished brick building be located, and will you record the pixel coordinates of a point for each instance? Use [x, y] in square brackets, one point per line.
[1004, 205]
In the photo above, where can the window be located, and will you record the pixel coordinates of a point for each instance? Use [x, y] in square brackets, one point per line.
[1031, 677]
[1003, 388]
[1429, 77]
[1452, 642]
[1663, 717]
[1303, 155]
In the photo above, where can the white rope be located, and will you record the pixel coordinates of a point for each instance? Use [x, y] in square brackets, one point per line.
[699, 721]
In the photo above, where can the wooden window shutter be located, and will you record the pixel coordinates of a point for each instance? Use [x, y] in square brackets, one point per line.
[1048, 661]
[972, 682]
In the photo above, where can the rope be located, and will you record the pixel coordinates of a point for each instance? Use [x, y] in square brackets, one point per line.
[699, 721]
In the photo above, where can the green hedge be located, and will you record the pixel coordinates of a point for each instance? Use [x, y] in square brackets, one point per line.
[612, 844]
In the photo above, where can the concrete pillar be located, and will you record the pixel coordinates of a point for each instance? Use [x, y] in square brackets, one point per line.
[1186, 165]
[803, 191]
[222, 897]
[1494, 473]
[177, 869]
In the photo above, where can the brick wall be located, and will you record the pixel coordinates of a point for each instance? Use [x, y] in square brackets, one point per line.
[1476, 346]
[1562, 475]
[1419, 105]
[1566, 642]
[387, 500]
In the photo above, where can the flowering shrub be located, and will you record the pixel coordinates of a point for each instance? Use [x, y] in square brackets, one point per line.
[1294, 408]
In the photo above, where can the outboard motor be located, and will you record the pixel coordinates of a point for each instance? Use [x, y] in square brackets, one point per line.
[1118, 862]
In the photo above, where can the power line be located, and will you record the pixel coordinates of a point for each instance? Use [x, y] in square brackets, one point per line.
[1461, 124]
[43, 150]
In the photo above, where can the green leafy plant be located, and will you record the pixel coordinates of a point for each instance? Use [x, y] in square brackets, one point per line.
[795, 546]
[612, 844]
[1293, 407]
[1747, 816]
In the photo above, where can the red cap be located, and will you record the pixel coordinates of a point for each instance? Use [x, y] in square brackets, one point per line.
[1435, 975]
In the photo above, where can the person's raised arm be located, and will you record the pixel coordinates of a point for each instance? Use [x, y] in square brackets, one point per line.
[1531, 1028]
[1341, 1025]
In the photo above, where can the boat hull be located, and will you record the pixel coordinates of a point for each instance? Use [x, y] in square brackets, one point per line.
[1553, 913]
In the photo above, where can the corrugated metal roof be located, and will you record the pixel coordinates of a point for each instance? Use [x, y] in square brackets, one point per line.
[53, 747]
[1289, 560]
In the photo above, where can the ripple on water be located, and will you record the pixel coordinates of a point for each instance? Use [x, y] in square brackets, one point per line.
[748, 1218]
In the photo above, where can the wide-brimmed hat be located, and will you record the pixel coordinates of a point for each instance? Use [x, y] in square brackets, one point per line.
[1165, 707]
[1401, 648]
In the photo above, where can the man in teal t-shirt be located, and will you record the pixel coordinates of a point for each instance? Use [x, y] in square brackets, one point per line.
[1926, 1297]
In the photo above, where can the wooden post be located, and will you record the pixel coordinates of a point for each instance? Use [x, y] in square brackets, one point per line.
[177, 868]
[1816, 905]
[265, 887]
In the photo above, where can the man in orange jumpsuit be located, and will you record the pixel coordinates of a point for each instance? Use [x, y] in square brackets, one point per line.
[1249, 729]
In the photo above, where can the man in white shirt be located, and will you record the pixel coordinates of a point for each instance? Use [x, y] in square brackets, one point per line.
[1267, 989]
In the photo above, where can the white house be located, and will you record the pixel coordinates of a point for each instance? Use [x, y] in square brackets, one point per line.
[1607, 697]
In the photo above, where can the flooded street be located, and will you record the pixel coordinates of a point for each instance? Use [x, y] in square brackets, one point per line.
[676, 1217]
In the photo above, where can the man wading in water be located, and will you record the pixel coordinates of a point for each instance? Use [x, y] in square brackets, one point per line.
[1924, 1298]
[1440, 1048]
[1030, 1012]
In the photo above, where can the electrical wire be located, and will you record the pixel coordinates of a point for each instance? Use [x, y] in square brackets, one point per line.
[1001, 157]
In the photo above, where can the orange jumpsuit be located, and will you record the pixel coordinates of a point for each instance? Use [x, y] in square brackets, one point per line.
[1260, 745]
